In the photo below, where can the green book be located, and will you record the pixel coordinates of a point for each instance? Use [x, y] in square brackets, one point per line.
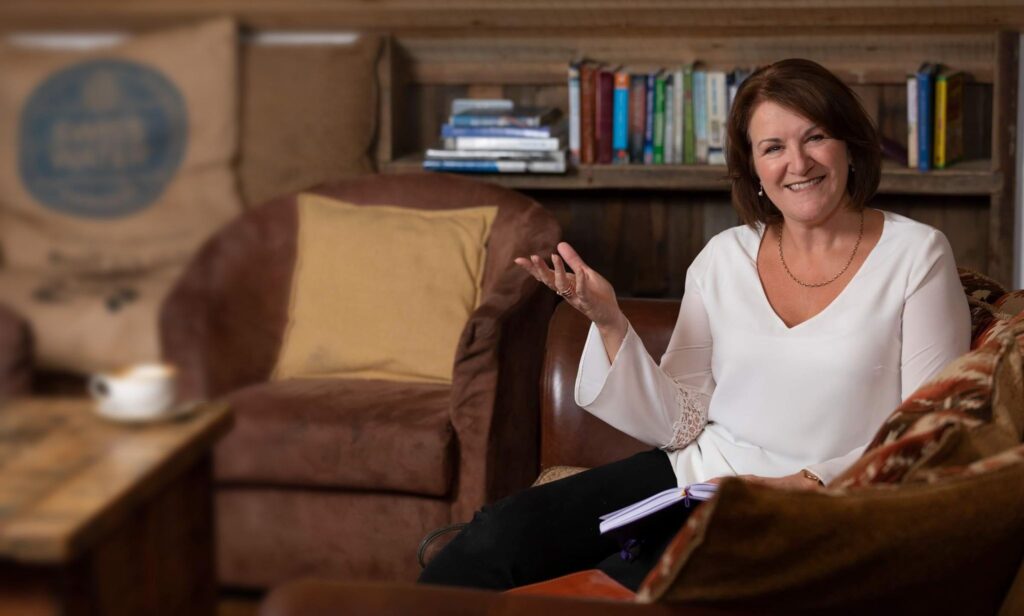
[659, 119]
[689, 145]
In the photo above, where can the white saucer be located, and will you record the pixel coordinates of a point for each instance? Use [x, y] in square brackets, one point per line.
[183, 409]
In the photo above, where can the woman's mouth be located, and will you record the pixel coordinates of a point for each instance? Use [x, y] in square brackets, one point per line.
[805, 185]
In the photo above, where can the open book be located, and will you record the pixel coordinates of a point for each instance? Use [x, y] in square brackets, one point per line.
[655, 503]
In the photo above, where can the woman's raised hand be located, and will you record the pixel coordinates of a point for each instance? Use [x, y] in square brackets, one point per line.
[581, 287]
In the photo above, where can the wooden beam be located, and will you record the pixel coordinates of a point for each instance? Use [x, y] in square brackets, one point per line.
[528, 16]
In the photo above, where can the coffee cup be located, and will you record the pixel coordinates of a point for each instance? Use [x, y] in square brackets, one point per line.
[139, 392]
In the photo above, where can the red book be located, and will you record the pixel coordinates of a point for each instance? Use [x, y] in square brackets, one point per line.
[588, 82]
[603, 114]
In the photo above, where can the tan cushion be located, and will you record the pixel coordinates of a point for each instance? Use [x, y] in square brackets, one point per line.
[118, 158]
[952, 546]
[341, 433]
[382, 292]
[308, 115]
[84, 324]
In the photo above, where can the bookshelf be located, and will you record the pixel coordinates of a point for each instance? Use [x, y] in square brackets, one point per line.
[655, 218]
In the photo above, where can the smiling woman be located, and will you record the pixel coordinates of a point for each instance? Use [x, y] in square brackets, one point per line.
[797, 334]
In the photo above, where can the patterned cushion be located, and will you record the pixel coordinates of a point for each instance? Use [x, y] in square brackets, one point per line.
[554, 473]
[973, 409]
[980, 287]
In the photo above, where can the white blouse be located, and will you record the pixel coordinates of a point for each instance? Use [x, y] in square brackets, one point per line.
[778, 399]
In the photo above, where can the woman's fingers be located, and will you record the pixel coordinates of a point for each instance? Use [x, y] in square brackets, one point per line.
[562, 284]
[572, 258]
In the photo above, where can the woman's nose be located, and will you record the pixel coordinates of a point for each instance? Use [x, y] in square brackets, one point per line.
[799, 162]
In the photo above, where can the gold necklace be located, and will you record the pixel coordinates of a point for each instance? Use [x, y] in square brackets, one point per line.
[832, 279]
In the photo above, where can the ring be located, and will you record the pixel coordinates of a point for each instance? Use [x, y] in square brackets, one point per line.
[569, 291]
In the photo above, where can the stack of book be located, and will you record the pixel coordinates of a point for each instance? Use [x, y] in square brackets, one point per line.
[935, 117]
[662, 116]
[496, 136]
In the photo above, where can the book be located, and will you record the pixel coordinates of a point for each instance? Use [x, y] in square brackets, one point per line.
[912, 121]
[949, 119]
[658, 140]
[620, 118]
[495, 166]
[700, 116]
[517, 116]
[550, 130]
[717, 111]
[688, 496]
[546, 144]
[649, 119]
[925, 109]
[442, 154]
[637, 116]
[461, 105]
[588, 83]
[604, 99]
[670, 121]
[689, 149]
[678, 119]
[574, 111]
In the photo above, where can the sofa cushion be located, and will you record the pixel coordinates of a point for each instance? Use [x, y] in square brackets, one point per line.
[118, 158]
[952, 546]
[382, 292]
[308, 115]
[340, 433]
[974, 408]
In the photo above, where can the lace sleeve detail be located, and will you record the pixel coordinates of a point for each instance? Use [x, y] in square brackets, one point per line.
[693, 416]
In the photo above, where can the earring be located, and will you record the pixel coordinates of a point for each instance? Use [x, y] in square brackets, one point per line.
[852, 170]
[760, 190]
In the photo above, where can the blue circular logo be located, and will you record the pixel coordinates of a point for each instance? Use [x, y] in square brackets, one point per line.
[102, 139]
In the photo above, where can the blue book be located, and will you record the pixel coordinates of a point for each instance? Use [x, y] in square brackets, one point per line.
[522, 116]
[700, 116]
[620, 118]
[447, 130]
[495, 166]
[925, 114]
[649, 122]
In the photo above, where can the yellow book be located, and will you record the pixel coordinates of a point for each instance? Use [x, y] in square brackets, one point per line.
[948, 119]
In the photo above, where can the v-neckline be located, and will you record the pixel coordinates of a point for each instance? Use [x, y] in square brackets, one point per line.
[856, 275]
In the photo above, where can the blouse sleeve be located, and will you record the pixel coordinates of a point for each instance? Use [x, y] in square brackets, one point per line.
[936, 328]
[662, 405]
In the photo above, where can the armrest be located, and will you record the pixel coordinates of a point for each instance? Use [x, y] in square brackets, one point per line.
[495, 401]
[311, 597]
[569, 435]
[15, 354]
[223, 323]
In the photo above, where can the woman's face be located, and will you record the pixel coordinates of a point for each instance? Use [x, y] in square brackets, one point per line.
[803, 170]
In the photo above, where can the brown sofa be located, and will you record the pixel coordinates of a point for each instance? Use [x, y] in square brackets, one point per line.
[764, 550]
[341, 478]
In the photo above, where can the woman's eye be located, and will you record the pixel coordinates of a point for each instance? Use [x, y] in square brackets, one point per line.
[816, 138]
[772, 148]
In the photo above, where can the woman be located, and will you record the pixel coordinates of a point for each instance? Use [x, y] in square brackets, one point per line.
[798, 333]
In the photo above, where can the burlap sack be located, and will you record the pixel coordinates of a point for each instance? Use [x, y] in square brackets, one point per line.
[308, 115]
[118, 159]
[83, 324]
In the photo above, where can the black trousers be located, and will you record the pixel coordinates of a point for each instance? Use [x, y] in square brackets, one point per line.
[552, 530]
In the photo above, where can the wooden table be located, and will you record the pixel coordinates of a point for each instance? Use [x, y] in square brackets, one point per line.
[105, 518]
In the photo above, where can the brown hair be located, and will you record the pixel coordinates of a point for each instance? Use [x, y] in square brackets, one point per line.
[809, 89]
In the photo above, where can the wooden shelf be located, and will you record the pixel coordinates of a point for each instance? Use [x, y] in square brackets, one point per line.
[967, 178]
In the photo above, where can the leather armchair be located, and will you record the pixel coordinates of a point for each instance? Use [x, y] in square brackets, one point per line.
[341, 478]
